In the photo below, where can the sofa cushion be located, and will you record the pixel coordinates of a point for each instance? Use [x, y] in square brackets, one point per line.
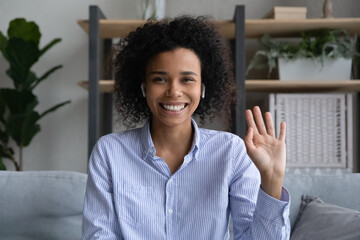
[320, 220]
[41, 205]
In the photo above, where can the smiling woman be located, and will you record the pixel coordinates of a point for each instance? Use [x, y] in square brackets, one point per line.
[171, 179]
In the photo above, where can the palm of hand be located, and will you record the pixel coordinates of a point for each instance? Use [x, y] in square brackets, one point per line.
[266, 151]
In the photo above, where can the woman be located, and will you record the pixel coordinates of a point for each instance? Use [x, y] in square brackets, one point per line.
[170, 179]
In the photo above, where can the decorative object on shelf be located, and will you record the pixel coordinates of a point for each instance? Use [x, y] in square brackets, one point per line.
[328, 9]
[319, 129]
[319, 46]
[18, 117]
[152, 9]
[287, 13]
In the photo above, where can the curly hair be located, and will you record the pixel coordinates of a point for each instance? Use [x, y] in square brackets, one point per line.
[133, 52]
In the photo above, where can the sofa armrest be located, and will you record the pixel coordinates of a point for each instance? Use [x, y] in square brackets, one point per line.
[342, 190]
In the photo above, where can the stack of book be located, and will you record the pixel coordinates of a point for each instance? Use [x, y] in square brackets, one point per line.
[287, 13]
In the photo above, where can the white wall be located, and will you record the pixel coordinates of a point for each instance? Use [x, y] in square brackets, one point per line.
[62, 142]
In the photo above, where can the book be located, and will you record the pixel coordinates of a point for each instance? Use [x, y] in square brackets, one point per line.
[287, 13]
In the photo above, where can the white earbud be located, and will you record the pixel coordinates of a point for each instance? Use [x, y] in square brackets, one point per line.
[202, 90]
[142, 90]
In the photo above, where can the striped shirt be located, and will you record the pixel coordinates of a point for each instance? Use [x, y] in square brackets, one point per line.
[131, 193]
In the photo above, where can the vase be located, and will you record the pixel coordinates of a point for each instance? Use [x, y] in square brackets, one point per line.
[154, 9]
[328, 9]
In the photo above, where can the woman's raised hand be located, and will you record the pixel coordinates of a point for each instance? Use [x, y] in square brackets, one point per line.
[266, 151]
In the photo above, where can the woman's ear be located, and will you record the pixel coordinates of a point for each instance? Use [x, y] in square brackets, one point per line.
[142, 89]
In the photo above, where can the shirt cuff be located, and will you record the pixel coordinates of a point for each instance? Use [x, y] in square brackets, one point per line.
[272, 208]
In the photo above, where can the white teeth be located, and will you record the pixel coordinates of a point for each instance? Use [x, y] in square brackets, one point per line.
[174, 108]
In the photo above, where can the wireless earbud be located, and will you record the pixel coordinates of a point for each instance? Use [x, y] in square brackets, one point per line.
[202, 90]
[142, 90]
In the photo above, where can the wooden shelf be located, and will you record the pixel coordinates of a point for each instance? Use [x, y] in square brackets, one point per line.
[291, 28]
[254, 28]
[302, 86]
[106, 86]
[121, 28]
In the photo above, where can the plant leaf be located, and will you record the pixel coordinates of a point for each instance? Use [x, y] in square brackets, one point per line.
[52, 109]
[49, 45]
[43, 77]
[30, 79]
[19, 102]
[3, 44]
[23, 127]
[6, 152]
[30, 128]
[21, 56]
[2, 165]
[2, 104]
[19, 28]
[259, 61]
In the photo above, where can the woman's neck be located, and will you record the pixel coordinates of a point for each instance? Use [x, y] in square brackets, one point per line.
[176, 139]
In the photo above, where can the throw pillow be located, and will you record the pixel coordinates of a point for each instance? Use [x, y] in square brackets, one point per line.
[320, 220]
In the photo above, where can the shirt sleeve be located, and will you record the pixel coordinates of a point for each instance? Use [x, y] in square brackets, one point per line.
[255, 214]
[99, 216]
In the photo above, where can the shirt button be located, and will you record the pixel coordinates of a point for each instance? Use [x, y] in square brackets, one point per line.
[170, 211]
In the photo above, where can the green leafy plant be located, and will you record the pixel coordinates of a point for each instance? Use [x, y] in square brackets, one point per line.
[319, 44]
[18, 117]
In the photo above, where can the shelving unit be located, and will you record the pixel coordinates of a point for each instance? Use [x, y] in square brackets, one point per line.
[100, 30]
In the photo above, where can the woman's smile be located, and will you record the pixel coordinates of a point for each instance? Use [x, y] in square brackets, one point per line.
[173, 107]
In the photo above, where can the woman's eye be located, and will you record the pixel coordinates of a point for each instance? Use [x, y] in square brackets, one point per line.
[159, 79]
[187, 79]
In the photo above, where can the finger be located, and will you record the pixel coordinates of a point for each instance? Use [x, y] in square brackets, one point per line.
[269, 124]
[249, 139]
[250, 121]
[282, 135]
[259, 120]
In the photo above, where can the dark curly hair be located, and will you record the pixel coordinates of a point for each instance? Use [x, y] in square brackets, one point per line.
[133, 52]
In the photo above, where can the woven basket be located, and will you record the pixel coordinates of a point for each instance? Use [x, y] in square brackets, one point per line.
[316, 133]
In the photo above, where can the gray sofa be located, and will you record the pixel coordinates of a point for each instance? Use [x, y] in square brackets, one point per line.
[41, 205]
[48, 205]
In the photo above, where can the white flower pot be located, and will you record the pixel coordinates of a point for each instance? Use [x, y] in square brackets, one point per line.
[310, 69]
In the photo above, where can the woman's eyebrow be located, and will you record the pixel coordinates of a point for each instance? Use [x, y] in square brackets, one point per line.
[188, 73]
[159, 72]
[181, 73]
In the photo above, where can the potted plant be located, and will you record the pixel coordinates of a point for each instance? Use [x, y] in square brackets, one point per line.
[321, 54]
[18, 117]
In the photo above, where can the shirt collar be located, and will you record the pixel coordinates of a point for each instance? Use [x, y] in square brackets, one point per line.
[148, 145]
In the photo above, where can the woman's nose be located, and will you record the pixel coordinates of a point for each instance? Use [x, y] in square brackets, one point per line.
[174, 90]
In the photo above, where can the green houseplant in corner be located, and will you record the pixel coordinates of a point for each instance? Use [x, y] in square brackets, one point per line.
[317, 48]
[18, 117]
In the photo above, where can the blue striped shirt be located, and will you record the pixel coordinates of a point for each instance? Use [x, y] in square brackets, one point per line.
[131, 193]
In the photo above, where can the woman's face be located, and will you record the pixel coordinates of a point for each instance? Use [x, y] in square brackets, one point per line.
[173, 86]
